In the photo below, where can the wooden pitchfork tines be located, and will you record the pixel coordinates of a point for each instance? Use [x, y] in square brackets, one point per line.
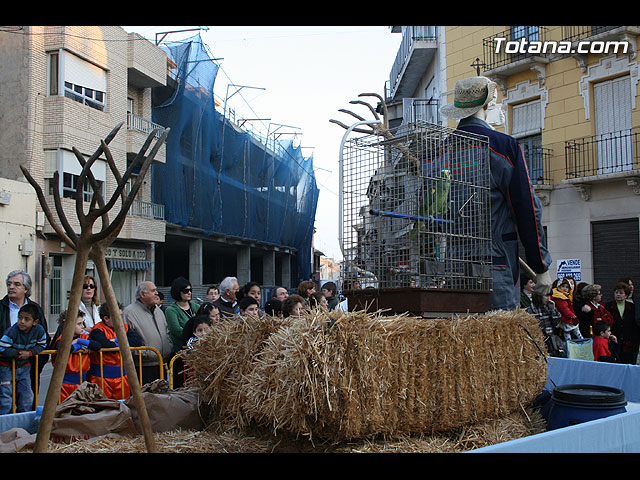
[88, 244]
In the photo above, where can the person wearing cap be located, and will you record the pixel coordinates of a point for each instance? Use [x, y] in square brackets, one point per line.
[515, 209]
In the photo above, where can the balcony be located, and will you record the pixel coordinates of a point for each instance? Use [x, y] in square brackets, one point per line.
[145, 222]
[416, 52]
[147, 63]
[502, 60]
[622, 34]
[140, 124]
[603, 157]
[140, 208]
[420, 109]
[138, 128]
[539, 165]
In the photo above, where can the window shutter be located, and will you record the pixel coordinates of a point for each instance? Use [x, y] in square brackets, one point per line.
[526, 119]
[81, 72]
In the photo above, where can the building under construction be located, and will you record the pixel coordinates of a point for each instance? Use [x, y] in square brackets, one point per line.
[235, 204]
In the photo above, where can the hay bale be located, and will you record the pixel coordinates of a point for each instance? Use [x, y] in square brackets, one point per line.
[369, 374]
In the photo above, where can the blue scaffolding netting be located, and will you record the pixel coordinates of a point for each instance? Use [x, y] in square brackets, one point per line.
[221, 179]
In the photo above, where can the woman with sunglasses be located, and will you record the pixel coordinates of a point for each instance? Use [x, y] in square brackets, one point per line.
[181, 311]
[90, 303]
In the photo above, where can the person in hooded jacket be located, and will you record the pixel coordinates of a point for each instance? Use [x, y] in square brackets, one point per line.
[561, 296]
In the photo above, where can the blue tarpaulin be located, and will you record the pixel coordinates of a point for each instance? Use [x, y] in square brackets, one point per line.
[221, 179]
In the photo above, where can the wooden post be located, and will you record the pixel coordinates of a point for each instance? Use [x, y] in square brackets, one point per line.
[123, 342]
[55, 385]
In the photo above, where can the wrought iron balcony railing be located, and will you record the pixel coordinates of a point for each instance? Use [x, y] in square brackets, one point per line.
[603, 154]
[576, 33]
[539, 164]
[421, 109]
[498, 53]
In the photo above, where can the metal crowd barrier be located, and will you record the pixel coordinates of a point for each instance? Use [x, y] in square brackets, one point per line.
[101, 351]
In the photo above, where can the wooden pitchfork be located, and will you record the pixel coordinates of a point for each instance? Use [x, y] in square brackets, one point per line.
[93, 245]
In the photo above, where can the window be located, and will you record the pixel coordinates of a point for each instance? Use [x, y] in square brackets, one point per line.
[534, 156]
[526, 126]
[55, 285]
[614, 142]
[53, 74]
[70, 187]
[82, 81]
[87, 96]
[70, 171]
[527, 118]
[527, 32]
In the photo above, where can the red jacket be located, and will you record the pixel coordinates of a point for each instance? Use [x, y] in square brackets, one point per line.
[564, 305]
[600, 347]
[600, 313]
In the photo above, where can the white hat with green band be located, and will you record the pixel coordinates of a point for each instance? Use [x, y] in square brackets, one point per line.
[470, 95]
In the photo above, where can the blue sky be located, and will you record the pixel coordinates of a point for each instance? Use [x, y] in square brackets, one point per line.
[300, 76]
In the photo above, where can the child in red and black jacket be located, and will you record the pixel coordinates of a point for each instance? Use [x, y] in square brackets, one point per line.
[561, 296]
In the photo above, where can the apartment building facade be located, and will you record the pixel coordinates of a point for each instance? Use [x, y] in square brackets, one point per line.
[66, 87]
[569, 95]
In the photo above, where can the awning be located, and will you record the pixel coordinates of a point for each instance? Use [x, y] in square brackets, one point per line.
[128, 265]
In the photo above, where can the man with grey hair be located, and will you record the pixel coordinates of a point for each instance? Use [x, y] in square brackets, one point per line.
[18, 292]
[149, 322]
[280, 293]
[226, 302]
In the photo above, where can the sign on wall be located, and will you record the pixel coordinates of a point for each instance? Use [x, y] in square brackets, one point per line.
[570, 267]
[125, 253]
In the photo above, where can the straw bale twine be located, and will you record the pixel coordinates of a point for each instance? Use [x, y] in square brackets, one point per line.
[369, 374]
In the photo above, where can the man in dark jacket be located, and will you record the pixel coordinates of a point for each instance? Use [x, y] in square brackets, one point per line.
[515, 209]
[330, 291]
[18, 293]
[226, 302]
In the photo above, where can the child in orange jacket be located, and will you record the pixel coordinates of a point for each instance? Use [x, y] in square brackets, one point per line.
[78, 363]
[109, 374]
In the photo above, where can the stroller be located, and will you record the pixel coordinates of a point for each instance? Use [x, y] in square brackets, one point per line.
[549, 321]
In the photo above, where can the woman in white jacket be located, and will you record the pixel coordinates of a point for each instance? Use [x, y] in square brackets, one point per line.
[90, 302]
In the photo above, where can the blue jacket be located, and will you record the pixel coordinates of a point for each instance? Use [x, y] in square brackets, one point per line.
[14, 339]
[515, 213]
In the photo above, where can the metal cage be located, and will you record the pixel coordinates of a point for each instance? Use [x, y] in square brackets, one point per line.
[415, 210]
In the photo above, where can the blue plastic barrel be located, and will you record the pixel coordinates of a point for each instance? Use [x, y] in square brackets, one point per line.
[573, 404]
